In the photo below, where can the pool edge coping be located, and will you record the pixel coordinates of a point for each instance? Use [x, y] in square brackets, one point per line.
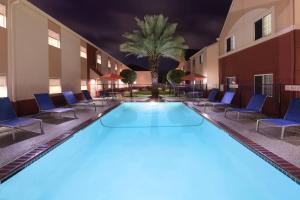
[26, 159]
[285, 167]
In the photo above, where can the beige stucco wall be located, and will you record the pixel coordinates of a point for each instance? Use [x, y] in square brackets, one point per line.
[71, 73]
[297, 13]
[210, 65]
[244, 13]
[28, 55]
[30, 52]
[143, 78]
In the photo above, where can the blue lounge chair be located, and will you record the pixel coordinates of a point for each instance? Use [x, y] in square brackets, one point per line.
[72, 101]
[291, 118]
[254, 106]
[86, 94]
[46, 105]
[9, 118]
[211, 97]
[225, 102]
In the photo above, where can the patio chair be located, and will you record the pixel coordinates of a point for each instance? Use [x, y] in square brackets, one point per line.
[9, 118]
[225, 102]
[72, 101]
[254, 106]
[46, 105]
[211, 97]
[86, 94]
[291, 118]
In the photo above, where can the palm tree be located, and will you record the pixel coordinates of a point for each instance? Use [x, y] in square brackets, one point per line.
[154, 39]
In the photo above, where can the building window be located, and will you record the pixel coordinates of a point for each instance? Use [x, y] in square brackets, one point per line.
[83, 85]
[231, 83]
[193, 62]
[108, 64]
[116, 67]
[99, 59]
[53, 39]
[3, 86]
[83, 53]
[263, 84]
[2, 15]
[54, 86]
[263, 27]
[230, 44]
[201, 59]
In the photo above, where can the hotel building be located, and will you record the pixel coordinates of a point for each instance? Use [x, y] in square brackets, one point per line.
[39, 54]
[205, 62]
[260, 50]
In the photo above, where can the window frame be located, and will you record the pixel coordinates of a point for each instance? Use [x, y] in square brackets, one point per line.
[3, 87]
[201, 59]
[59, 87]
[3, 16]
[263, 84]
[83, 84]
[261, 17]
[99, 59]
[83, 54]
[228, 85]
[53, 38]
[232, 44]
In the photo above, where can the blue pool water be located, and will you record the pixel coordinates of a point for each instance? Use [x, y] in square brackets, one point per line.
[150, 151]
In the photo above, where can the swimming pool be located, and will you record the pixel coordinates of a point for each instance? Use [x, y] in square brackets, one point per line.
[150, 151]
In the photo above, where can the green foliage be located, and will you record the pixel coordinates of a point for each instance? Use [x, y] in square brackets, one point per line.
[154, 38]
[128, 75]
[174, 76]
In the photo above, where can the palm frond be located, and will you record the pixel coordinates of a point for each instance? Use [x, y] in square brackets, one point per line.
[154, 38]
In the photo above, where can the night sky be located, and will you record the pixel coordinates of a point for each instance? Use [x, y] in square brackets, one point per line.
[104, 22]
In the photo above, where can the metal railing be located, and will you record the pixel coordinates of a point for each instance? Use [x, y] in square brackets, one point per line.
[277, 102]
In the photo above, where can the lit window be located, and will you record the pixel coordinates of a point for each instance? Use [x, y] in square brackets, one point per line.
[99, 59]
[263, 27]
[83, 85]
[53, 39]
[109, 84]
[231, 83]
[267, 25]
[54, 86]
[116, 67]
[230, 44]
[2, 16]
[3, 86]
[263, 84]
[108, 64]
[83, 52]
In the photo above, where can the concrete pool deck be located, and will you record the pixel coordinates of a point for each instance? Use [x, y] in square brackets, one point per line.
[268, 137]
[288, 149]
[25, 141]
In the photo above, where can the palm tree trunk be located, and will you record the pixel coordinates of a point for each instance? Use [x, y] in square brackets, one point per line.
[154, 76]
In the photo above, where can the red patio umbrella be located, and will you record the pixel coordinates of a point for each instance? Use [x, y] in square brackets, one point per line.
[193, 77]
[111, 77]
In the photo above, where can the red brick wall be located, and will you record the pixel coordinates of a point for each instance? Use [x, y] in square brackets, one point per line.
[275, 56]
